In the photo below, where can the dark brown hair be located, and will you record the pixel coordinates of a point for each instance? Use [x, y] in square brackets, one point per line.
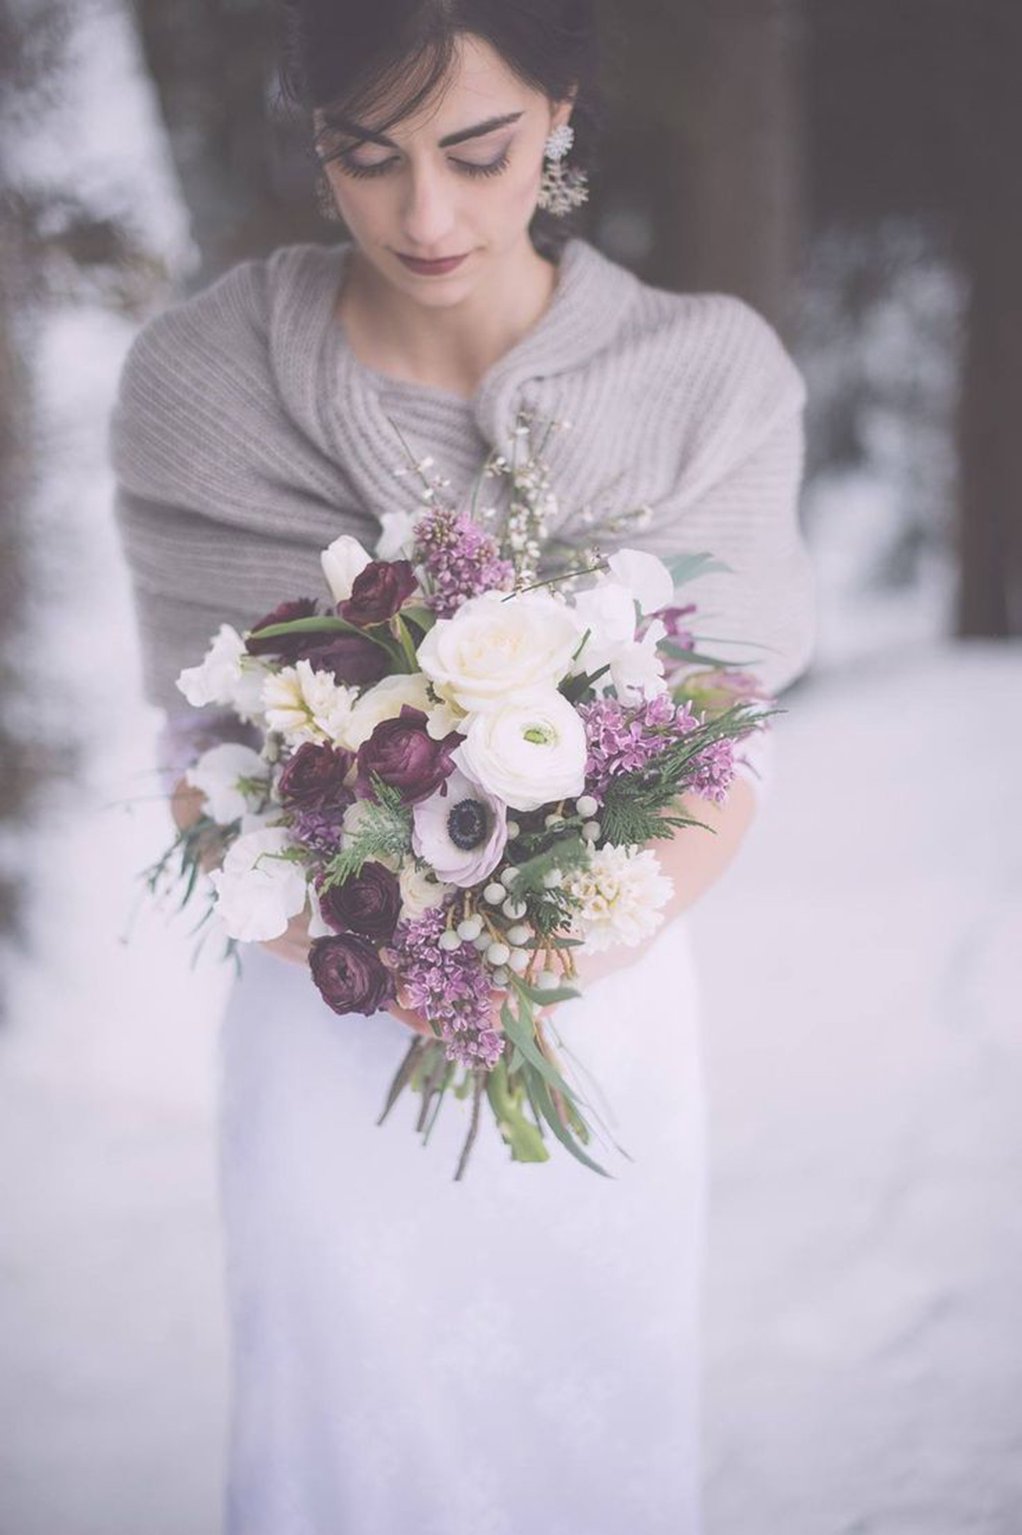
[346, 56]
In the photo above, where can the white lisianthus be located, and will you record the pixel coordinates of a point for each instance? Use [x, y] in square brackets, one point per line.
[227, 675]
[529, 752]
[645, 576]
[305, 705]
[607, 611]
[636, 668]
[396, 540]
[443, 716]
[318, 925]
[494, 647]
[384, 701]
[230, 776]
[622, 892]
[342, 561]
[420, 891]
[259, 891]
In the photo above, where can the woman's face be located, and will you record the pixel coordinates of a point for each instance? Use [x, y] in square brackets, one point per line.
[420, 196]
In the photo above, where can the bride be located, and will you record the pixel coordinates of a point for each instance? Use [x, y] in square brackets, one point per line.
[518, 1351]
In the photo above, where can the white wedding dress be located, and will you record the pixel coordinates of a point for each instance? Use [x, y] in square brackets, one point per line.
[516, 1353]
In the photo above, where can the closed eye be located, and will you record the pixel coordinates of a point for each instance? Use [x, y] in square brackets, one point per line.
[465, 167]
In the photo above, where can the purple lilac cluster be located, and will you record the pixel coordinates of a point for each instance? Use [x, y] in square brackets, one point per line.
[715, 768]
[624, 738]
[451, 987]
[460, 557]
[319, 830]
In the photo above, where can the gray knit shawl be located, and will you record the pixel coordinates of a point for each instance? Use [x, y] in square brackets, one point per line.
[247, 435]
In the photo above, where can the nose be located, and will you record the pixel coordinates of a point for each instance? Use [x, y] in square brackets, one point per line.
[428, 212]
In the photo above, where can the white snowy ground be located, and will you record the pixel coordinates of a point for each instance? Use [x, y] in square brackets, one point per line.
[861, 983]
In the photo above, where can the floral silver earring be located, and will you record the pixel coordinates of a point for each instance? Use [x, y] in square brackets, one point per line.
[325, 200]
[561, 187]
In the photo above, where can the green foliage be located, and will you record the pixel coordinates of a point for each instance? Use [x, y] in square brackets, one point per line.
[633, 802]
[385, 833]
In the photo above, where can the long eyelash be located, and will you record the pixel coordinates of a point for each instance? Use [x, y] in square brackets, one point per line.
[494, 167]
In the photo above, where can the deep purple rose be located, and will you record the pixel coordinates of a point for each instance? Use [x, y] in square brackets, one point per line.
[403, 753]
[353, 659]
[378, 591]
[290, 646]
[314, 777]
[368, 903]
[349, 974]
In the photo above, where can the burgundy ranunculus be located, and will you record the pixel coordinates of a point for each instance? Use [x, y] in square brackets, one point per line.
[354, 659]
[403, 753]
[378, 591]
[349, 974]
[290, 646]
[368, 903]
[314, 777]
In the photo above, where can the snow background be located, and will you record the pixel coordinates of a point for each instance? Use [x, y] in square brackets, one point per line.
[860, 978]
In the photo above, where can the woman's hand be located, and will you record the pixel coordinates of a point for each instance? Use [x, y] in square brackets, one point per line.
[186, 806]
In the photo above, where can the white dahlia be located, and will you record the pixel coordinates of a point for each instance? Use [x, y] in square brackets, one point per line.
[622, 893]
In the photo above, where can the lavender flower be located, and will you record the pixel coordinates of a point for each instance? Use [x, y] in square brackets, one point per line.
[450, 987]
[459, 557]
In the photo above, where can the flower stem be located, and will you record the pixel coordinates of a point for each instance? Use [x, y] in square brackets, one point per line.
[473, 1126]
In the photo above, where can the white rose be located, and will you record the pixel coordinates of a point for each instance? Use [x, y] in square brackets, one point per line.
[227, 675]
[396, 539]
[645, 576]
[384, 701]
[495, 646]
[258, 891]
[219, 774]
[420, 891]
[306, 705]
[342, 561]
[528, 753]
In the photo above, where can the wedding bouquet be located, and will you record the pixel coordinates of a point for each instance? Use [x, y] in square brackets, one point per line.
[459, 772]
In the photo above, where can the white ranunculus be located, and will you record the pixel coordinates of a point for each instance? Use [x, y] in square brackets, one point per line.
[396, 539]
[645, 576]
[306, 705]
[342, 561]
[259, 891]
[420, 892]
[220, 774]
[622, 892]
[495, 647]
[227, 675]
[384, 701]
[529, 752]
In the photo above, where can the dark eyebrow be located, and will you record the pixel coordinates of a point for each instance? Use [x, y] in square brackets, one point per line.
[333, 120]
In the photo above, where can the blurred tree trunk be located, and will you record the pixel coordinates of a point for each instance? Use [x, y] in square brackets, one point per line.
[212, 62]
[990, 428]
[734, 170]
